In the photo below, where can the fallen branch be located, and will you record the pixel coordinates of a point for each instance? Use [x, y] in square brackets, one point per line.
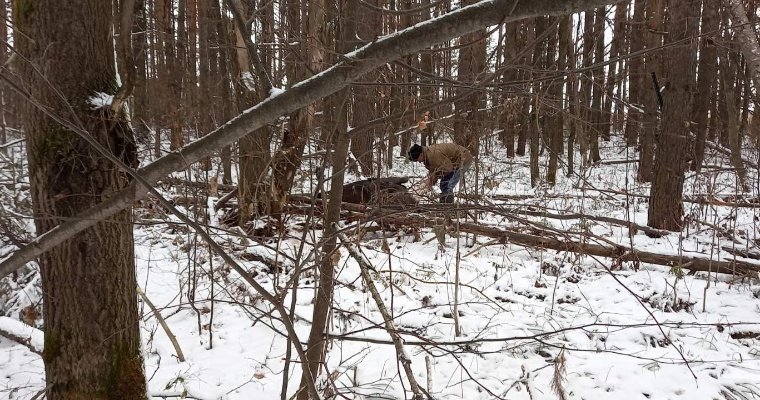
[401, 354]
[23, 334]
[164, 326]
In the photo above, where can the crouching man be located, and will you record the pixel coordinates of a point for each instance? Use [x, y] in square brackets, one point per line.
[445, 161]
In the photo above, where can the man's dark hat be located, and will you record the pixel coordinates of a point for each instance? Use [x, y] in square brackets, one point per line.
[415, 151]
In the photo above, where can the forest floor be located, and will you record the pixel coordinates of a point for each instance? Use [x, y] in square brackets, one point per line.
[534, 323]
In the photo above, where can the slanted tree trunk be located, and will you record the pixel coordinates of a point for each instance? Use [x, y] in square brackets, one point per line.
[705, 80]
[665, 199]
[92, 336]
[748, 43]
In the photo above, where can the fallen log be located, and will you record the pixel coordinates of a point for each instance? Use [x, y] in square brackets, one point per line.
[541, 238]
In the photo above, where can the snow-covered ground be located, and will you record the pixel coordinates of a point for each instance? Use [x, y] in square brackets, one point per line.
[525, 314]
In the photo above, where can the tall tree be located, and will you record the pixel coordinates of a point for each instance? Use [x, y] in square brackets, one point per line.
[471, 63]
[92, 337]
[655, 11]
[365, 97]
[253, 85]
[636, 75]
[747, 41]
[615, 67]
[705, 80]
[306, 60]
[665, 199]
[556, 93]
[337, 125]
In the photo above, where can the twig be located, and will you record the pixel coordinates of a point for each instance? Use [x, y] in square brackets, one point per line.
[162, 321]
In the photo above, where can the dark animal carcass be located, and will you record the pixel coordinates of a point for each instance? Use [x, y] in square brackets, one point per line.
[379, 191]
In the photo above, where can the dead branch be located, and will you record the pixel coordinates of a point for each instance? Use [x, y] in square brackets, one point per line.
[403, 357]
[162, 322]
[199, 185]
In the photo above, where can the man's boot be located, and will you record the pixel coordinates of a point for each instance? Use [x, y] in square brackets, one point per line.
[447, 198]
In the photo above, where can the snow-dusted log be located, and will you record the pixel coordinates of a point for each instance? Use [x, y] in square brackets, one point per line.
[22, 333]
[351, 66]
[554, 240]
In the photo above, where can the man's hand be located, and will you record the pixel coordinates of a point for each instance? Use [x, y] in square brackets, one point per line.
[430, 181]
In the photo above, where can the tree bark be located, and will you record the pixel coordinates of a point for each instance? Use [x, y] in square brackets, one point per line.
[705, 80]
[251, 85]
[734, 138]
[747, 42]
[655, 10]
[92, 337]
[471, 64]
[665, 200]
[338, 104]
[636, 76]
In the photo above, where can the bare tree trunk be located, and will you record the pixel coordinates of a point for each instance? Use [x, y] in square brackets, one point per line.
[529, 34]
[665, 200]
[655, 10]
[287, 160]
[597, 92]
[556, 92]
[573, 105]
[539, 60]
[92, 336]
[470, 66]
[705, 80]
[365, 97]
[747, 41]
[583, 132]
[252, 85]
[615, 67]
[636, 75]
[317, 345]
[732, 116]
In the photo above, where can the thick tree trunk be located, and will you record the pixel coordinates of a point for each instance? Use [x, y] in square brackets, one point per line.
[92, 337]
[665, 200]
